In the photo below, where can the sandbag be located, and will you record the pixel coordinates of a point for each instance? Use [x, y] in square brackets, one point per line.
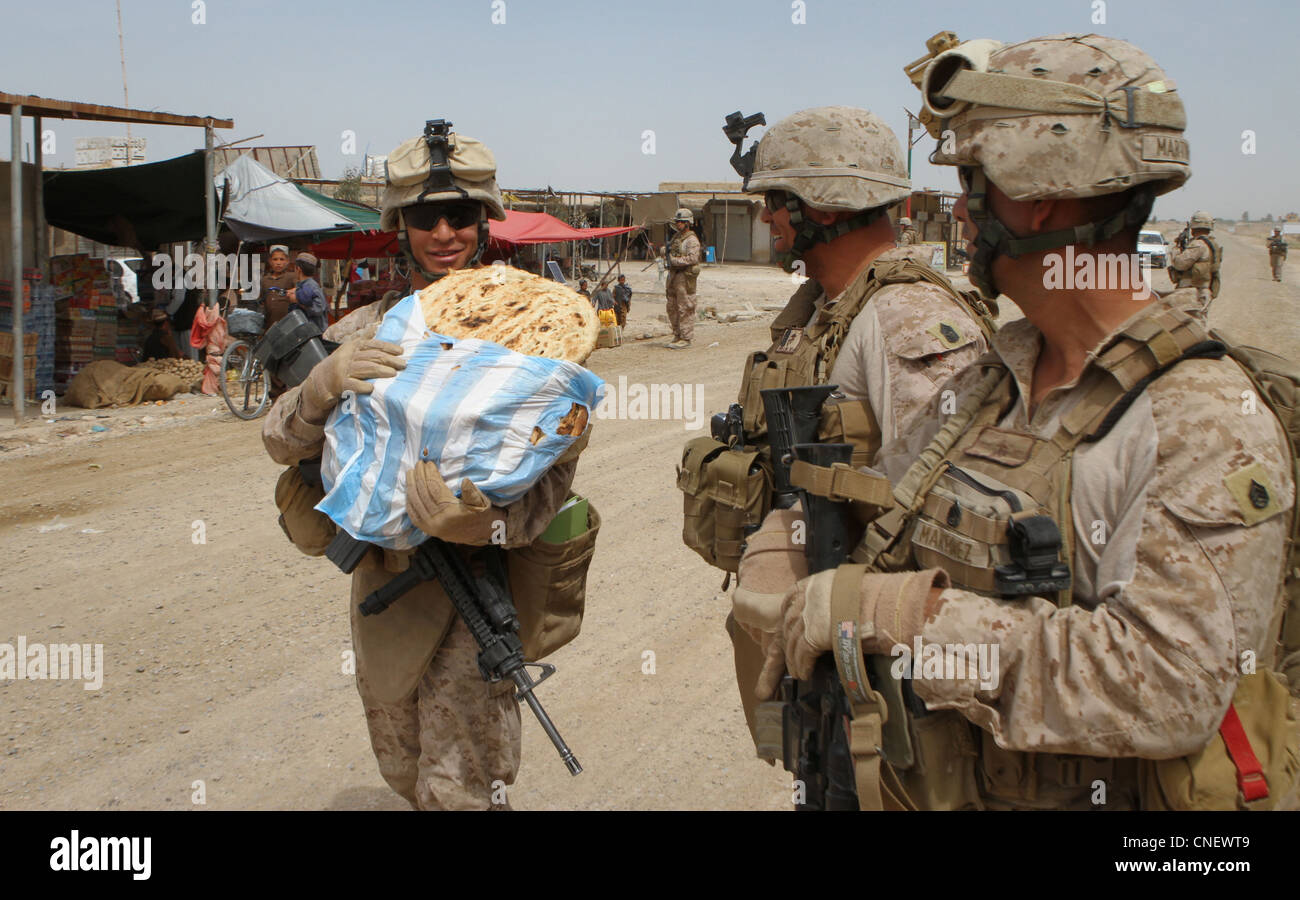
[108, 383]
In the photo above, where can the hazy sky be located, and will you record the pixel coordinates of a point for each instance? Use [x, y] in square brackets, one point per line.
[563, 91]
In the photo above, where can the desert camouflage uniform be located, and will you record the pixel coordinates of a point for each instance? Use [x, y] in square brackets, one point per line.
[909, 236]
[1193, 267]
[441, 735]
[1173, 580]
[684, 257]
[895, 354]
[1277, 248]
[896, 357]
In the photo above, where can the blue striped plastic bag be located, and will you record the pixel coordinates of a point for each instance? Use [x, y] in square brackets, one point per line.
[469, 406]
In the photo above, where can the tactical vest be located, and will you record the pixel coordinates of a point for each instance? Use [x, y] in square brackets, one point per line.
[1277, 246]
[728, 491]
[675, 249]
[804, 352]
[1204, 273]
[983, 503]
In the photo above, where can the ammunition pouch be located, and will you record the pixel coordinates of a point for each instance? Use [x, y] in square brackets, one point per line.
[1221, 776]
[549, 585]
[849, 421]
[942, 775]
[726, 495]
[989, 537]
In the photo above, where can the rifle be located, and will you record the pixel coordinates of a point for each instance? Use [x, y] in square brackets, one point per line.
[814, 714]
[484, 605]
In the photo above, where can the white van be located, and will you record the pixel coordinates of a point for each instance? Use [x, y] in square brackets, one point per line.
[1153, 249]
[122, 273]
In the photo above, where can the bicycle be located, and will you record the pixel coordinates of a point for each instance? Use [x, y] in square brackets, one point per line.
[244, 381]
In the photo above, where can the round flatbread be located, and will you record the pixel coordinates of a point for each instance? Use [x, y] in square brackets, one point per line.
[522, 312]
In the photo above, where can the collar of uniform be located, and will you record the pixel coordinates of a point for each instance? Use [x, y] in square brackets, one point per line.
[1019, 343]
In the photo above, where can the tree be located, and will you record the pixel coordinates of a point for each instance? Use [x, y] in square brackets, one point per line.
[349, 187]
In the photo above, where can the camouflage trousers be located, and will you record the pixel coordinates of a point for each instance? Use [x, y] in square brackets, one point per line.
[454, 743]
[1276, 261]
[681, 304]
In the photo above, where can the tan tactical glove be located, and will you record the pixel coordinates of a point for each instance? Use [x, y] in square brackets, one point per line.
[435, 510]
[775, 560]
[345, 370]
[892, 610]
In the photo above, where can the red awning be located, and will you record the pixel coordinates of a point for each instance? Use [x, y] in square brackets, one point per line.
[541, 228]
[518, 229]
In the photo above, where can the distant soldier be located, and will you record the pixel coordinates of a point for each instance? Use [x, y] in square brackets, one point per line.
[683, 258]
[908, 234]
[1277, 253]
[1198, 261]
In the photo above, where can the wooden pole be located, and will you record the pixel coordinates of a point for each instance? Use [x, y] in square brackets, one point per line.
[16, 252]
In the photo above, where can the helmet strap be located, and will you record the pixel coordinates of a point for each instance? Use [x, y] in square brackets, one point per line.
[994, 238]
[809, 233]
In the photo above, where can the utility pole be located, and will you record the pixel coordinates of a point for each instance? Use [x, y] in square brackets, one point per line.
[126, 101]
[913, 123]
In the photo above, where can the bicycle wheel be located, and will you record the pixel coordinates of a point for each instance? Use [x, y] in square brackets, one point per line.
[245, 385]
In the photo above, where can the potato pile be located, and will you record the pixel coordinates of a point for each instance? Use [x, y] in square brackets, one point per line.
[188, 370]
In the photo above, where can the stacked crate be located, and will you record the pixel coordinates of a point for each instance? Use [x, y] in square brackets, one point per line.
[80, 283]
[38, 316]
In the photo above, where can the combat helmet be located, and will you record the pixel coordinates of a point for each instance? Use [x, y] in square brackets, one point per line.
[833, 158]
[904, 221]
[439, 165]
[684, 215]
[1063, 116]
[1202, 219]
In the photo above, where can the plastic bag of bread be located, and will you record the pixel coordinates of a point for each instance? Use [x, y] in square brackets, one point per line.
[492, 391]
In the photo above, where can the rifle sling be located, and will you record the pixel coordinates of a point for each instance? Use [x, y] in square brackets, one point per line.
[866, 728]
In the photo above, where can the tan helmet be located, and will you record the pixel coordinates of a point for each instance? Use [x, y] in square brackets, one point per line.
[473, 176]
[904, 221]
[1066, 115]
[1202, 219]
[684, 215]
[834, 158]
[1062, 116]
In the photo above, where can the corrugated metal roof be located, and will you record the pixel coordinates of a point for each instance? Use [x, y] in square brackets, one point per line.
[287, 162]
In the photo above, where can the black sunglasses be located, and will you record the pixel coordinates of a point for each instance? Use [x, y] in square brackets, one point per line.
[775, 200]
[458, 213]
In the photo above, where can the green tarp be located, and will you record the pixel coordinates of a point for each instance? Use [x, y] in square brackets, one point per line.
[133, 206]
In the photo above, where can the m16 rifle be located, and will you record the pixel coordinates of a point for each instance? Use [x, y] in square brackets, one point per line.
[814, 713]
[483, 602]
[481, 596]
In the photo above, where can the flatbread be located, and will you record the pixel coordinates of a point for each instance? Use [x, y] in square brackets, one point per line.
[521, 311]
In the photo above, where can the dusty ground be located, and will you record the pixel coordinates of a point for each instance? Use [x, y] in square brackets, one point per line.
[223, 659]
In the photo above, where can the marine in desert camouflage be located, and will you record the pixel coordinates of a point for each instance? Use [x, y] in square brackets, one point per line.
[1096, 504]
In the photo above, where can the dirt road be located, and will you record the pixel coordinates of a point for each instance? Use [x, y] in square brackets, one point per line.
[223, 647]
